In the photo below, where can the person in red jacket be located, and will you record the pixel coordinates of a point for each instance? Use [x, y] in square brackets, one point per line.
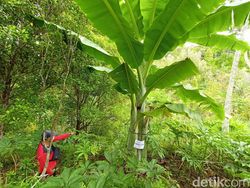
[43, 148]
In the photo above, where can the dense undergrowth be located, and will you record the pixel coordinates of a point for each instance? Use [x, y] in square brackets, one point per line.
[42, 70]
[177, 157]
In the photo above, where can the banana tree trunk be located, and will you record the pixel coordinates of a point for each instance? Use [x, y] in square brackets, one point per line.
[132, 128]
[138, 125]
[228, 101]
[229, 94]
[247, 60]
[137, 131]
[142, 135]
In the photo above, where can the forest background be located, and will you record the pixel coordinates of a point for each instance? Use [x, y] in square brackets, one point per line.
[45, 79]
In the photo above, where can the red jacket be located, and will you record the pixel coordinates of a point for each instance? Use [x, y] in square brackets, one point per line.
[41, 155]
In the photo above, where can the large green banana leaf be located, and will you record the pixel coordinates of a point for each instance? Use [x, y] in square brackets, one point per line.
[168, 108]
[177, 19]
[221, 41]
[150, 9]
[171, 75]
[190, 94]
[106, 16]
[84, 44]
[221, 20]
[132, 13]
[120, 87]
[125, 77]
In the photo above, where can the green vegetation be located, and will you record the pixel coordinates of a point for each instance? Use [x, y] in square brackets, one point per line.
[118, 72]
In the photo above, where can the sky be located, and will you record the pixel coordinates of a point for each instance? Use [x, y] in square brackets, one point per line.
[246, 36]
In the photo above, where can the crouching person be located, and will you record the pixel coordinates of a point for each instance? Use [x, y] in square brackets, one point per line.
[43, 148]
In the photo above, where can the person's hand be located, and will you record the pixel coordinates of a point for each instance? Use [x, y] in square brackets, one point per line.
[72, 133]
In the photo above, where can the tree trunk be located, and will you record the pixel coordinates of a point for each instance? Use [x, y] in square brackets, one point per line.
[5, 102]
[1, 131]
[78, 110]
[138, 124]
[229, 94]
[132, 127]
[142, 135]
[247, 60]
[142, 131]
[8, 84]
[137, 131]
[6, 93]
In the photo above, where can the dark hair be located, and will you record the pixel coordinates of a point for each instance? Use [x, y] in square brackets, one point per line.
[47, 134]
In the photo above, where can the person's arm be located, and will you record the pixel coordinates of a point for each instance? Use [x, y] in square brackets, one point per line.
[41, 156]
[61, 137]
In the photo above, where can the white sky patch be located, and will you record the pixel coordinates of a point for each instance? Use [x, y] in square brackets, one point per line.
[236, 2]
[226, 33]
[246, 36]
[190, 44]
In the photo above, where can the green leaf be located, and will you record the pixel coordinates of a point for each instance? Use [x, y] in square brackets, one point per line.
[53, 182]
[66, 174]
[150, 10]
[119, 89]
[196, 95]
[75, 178]
[171, 75]
[221, 20]
[178, 18]
[132, 13]
[222, 42]
[102, 180]
[92, 184]
[94, 50]
[106, 16]
[126, 78]
[84, 44]
[174, 108]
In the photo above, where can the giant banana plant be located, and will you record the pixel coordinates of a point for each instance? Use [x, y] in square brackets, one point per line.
[145, 31]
